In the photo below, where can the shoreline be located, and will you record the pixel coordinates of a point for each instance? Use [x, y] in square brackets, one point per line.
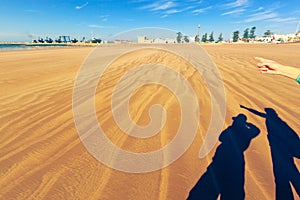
[103, 43]
[203, 45]
[94, 45]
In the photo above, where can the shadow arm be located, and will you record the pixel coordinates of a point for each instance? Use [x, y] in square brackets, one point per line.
[253, 130]
[260, 114]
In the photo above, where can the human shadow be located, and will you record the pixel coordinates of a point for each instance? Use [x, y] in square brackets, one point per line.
[225, 175]
[284, 145]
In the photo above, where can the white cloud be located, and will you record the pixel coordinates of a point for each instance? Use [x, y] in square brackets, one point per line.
[95, 26]
[104, 18]
[160, 5]
[82, 6]
[195, 2]
[189, 8]
[164, 6]
[99, 26]
[236, 11]
[201, 10]
[173, 11]
[265, 15]
[283, 20]
[138, 1]
[237, 3]
[167, 13]
[260, 8]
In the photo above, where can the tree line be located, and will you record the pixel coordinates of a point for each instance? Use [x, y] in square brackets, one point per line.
[180, 38]
[249, 34]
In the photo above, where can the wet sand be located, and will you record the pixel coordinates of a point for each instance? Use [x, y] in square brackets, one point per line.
[42, 157]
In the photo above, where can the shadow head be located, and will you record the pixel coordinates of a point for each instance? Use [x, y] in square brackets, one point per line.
[271, 112]
[240, 119]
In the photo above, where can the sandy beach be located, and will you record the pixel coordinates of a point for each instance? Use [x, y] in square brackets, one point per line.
[42, 156]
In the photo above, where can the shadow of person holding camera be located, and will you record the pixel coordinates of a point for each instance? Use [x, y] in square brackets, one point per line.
[225, 175]
[285, 145]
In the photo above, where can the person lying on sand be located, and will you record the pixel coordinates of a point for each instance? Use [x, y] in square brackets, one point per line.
[272, 67]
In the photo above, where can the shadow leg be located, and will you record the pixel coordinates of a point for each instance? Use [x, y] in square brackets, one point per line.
[206, 188]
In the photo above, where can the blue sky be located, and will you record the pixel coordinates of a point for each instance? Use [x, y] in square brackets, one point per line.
[22, 20]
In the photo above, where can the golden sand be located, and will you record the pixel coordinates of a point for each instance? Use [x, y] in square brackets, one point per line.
[42, 157]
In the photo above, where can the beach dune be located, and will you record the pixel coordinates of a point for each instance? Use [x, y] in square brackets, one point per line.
[42, 156]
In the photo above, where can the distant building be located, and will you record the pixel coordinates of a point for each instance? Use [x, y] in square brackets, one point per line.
[145, 40]
[191, 39]
[239, 40]
[123, 41]
[276, 38]
[267, 39]
[284, 37]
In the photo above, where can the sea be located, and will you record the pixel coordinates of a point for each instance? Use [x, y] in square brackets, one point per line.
[9, 47]
[13, 47]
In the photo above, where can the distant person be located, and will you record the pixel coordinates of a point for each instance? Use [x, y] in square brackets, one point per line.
[285, 145]
[272, 67]
[225, 175]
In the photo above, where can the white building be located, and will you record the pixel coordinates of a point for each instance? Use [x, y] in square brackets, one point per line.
[164, 41]
[277, 38]
[267, 39]
[284, 37]
[145, 40]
